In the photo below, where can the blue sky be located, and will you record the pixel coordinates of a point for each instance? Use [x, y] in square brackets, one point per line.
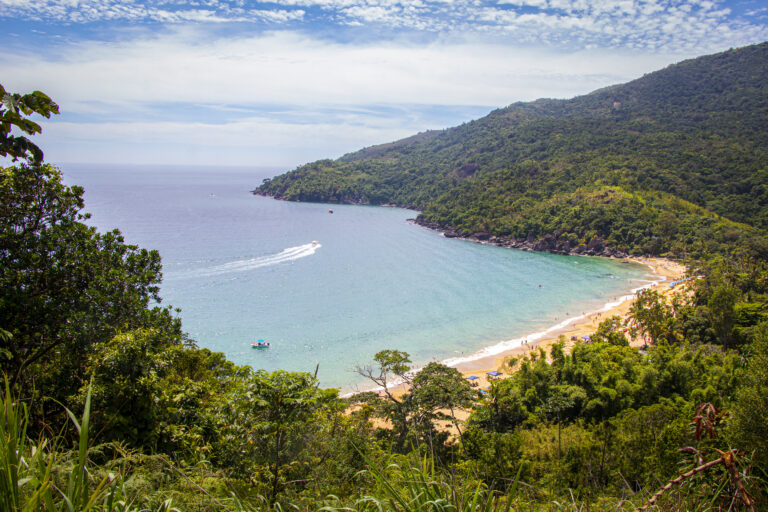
[237, 82]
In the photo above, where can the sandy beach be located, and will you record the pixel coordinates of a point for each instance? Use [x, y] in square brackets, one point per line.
[663, 272]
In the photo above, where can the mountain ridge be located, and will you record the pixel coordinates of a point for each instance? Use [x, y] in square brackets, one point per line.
[692, 132]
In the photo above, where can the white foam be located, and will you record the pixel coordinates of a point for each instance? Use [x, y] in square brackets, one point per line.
[506, 345]
[284, 256]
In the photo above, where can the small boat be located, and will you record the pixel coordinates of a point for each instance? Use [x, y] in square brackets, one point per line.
[259, 344]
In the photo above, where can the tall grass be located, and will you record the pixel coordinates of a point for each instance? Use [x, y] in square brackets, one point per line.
[25, 474]
[418, 486]
[27, 468]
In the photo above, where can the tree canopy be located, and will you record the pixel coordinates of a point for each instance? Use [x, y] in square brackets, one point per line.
[14, 109]
[64, 287]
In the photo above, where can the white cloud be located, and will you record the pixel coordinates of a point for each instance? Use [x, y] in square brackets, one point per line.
[288, 68]
[566, 23]
[84, 11]
[103, 88]
[541, 4]
[253, 141]
[369, 13]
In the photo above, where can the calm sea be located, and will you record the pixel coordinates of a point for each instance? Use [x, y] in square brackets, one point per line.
[332, 289]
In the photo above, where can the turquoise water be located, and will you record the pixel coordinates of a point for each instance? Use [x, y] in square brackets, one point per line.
[243, 267]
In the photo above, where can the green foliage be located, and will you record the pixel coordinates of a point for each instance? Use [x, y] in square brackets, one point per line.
[611, 331]
[274, 411]
[395, 362]
[722, 310]
[437, 387]
[64, 288]
[598, 381]
[643, 444]
[414, 414]
[127, 378]
[417, 485]
[749, 424]
[391, 365]
[493, 456]
[37, 475]
[19, 489]
[13, 109]
[652, 317]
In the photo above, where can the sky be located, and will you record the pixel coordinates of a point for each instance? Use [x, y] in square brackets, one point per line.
[281, 83]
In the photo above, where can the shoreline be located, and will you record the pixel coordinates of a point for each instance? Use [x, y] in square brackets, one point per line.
[662, 271]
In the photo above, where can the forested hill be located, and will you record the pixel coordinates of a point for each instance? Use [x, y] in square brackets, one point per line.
[675, 161]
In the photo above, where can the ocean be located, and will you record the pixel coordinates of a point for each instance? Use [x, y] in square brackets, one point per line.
[332, 289]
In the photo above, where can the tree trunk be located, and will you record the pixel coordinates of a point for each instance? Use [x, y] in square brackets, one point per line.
[461, 435]
[559, 449]
[276, 467]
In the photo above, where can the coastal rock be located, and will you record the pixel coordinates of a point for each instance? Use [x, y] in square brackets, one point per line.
[595, 245]
[359, 201]
[545, 244]
[553, 243]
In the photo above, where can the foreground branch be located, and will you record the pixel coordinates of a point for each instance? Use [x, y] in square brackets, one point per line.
[726, 458]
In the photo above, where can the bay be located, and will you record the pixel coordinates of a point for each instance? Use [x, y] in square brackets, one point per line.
[242, 267]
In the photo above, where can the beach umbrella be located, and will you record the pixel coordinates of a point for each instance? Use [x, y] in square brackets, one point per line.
[494, 373]
[473, 377]
[586, 338]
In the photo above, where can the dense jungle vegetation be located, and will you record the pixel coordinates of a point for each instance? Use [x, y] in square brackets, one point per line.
[108, 406]
[675, 162]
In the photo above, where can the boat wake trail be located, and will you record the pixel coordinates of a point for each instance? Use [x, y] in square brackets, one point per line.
[289, 254]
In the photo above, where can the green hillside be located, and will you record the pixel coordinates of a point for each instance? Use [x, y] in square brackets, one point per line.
[678, 158]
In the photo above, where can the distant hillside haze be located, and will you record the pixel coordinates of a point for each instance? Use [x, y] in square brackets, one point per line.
[675, 162]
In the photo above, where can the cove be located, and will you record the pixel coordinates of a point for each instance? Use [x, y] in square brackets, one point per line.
[243, 267]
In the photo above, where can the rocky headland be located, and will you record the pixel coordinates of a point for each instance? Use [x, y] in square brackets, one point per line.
[554, 243]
